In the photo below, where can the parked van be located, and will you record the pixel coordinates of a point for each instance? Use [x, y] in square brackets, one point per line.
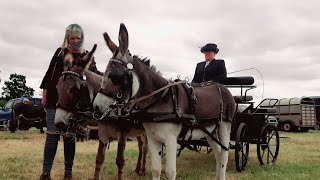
[294, 113]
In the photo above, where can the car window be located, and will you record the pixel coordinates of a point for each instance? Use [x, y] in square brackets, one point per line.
[37, 102]
[31, 101]
[16, 101]
[9, 104]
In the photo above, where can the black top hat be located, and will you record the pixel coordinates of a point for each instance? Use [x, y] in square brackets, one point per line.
[210, 47]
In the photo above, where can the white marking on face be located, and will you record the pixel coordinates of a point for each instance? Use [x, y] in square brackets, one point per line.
[62, 116]
[135, 84]
[102, 102]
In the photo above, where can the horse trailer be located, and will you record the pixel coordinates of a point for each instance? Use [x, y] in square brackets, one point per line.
[294, 114]
[316, 100]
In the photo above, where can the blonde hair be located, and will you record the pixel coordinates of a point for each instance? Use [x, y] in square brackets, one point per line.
[26, 101]
[73, 29]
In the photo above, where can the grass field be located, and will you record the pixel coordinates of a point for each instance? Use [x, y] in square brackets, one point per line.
[21, 155]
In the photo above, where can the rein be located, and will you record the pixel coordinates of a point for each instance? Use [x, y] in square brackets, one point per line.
[135, 101]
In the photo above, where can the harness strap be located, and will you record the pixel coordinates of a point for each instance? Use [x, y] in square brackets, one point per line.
[221, 103]
[156, 101]
[135, 101]
[213, 138]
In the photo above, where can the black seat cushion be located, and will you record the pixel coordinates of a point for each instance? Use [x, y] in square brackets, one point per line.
[240, 99]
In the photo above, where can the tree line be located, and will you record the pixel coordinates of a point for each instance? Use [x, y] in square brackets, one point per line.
[16, 87]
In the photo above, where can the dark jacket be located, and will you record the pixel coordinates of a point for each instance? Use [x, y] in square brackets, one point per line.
[215, 71]
[53, 74]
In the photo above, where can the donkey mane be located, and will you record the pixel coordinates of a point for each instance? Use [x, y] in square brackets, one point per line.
[146, 61]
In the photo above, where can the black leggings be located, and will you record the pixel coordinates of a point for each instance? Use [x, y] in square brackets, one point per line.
[51, 145]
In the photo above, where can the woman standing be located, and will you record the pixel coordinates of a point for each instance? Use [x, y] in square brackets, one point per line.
[74, 39]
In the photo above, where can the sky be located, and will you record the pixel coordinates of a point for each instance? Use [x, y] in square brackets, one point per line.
[277, 40]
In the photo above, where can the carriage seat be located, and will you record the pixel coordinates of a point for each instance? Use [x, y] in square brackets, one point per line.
[266, 110]
[240, 99]
[241, 80]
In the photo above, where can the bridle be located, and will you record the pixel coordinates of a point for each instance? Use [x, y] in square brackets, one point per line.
[119, 79]
[80, 105]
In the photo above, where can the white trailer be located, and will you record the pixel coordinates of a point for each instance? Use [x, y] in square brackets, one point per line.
[294, 113]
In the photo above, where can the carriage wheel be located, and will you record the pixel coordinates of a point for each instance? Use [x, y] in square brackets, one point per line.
[242, 148]
[268, 145]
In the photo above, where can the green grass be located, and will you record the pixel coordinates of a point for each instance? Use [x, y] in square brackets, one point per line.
[21, 155]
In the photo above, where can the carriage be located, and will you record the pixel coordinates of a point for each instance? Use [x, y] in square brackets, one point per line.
[251, 125]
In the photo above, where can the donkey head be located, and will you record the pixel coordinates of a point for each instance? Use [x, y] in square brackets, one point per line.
[72, 89]
[119, 80]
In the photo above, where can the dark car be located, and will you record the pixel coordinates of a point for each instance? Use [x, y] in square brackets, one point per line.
[15, 114]
[6, 112]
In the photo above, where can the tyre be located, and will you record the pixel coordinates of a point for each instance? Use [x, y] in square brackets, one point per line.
[268, 144]
[287, 126]
[241, 148]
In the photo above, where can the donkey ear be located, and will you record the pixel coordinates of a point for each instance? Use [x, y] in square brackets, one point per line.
[123, 39]
[112, 46]
[67, 56]
[89, 56]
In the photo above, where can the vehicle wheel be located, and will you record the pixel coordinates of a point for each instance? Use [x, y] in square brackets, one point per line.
[268, 145]
[287, 126]
[316, 127]
[241, 148]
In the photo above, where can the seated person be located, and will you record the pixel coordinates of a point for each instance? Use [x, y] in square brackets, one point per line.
[211, 69]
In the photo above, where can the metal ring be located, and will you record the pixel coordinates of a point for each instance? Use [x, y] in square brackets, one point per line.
[119, 95]
[129, 66]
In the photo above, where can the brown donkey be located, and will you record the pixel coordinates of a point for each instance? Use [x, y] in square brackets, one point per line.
[77, 88]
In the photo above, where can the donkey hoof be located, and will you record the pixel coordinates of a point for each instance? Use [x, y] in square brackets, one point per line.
[141, 172]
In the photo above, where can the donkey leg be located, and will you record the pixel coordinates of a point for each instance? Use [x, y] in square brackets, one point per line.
[171, 157]
[122, 140]
[139, 163]
[100, 158]
[144, 154]
[143, 150]
[155, 150]
[224, 136]
[216, 149]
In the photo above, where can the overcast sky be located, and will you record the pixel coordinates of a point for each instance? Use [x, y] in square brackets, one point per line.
[279, 38]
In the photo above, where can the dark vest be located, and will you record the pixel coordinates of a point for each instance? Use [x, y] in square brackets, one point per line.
[215, 71]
